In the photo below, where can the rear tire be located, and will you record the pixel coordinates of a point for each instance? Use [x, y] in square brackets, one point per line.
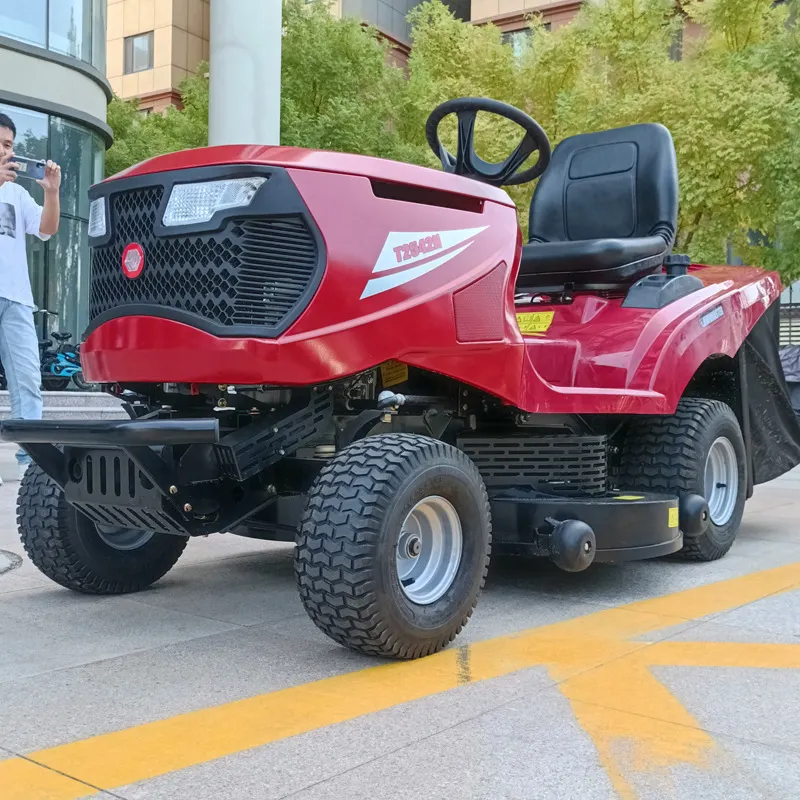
[366, 551]
[673, 455]
[67, 547]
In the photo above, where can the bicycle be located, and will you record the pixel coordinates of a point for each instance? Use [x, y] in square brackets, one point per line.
[63, 364]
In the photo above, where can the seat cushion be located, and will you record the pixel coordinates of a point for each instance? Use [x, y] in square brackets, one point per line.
[589, 263]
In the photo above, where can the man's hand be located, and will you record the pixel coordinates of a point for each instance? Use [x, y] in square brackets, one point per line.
[52, 177]
[51, 211]
[8, 169]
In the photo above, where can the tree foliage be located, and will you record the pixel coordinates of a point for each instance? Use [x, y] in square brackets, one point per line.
[337, 93]
[732, 101]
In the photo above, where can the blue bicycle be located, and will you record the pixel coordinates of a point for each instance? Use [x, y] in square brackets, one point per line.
[61, 363]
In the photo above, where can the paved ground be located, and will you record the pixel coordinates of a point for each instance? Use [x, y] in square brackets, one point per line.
[214, 684]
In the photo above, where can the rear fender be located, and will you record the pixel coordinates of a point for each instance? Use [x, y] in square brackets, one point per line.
[723, 378]
[713, 329]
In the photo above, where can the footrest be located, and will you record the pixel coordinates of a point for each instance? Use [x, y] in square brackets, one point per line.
[259, 445]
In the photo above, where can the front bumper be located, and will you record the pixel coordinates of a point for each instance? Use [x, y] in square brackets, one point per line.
[171, 475]
[114, 472]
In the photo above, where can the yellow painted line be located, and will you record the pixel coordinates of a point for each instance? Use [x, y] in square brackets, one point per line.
[724, 654]
[714, 598]
[601, 671]
[23, 780]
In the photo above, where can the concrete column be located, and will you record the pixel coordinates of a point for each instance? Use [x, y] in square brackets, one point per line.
[245, 72]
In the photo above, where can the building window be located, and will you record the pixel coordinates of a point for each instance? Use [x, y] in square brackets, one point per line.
[520, 40]
[71, 27]
[460, 9]
[24, 21]
[676, 46]
[138, 52]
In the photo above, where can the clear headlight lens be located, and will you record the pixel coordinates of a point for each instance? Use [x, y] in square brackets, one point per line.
[191, 203]
[97, 218]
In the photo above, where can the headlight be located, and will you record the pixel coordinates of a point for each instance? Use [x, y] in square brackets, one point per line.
[190, 203]
[97, 218]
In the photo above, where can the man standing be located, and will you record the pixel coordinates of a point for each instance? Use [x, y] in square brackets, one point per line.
[19, 341]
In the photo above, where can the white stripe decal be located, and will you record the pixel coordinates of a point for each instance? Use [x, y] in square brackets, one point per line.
[378, 285]
[396, 252]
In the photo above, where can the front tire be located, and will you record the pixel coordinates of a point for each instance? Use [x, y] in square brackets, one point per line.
[394, 545]
[68, 548]
[698, 450]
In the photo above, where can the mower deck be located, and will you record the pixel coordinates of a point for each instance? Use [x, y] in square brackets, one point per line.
[627, 526]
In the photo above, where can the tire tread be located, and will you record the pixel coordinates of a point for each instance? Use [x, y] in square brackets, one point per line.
[45, 520]
[661, 455]
[339, 534]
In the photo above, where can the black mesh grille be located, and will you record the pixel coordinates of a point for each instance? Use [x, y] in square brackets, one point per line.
[251, 273]
[562, 464]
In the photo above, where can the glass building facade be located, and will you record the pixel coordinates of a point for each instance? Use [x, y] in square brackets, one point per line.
[74, 28]
[69, 38]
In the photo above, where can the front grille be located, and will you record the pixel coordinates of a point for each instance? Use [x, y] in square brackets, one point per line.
[561, 464]
[253, 272]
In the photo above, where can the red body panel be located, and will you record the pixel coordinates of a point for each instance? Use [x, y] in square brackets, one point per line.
[453, 313]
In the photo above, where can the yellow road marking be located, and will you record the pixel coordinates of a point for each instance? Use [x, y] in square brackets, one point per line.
[23, 780]
[595, 659]
[724, 654]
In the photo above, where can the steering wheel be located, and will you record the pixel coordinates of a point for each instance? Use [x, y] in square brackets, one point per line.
[467, 162]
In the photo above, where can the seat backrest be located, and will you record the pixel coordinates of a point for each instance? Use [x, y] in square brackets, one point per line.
[616, 184]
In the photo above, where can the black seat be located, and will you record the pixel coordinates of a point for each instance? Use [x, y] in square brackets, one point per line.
[605, 212]
[61, 337]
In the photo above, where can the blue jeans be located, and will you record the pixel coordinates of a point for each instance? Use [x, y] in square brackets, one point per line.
[19, 352]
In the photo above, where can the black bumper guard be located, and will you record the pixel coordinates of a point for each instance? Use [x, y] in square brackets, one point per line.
[112, 471]
[118, 473]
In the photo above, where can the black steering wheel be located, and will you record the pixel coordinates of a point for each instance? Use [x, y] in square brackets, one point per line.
[466, 161]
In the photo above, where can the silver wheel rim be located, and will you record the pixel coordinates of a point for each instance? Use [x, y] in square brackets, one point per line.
[721, 480]
[124, 538]
[429, 550]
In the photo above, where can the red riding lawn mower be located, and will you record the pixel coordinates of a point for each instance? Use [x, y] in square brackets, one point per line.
[363, 357]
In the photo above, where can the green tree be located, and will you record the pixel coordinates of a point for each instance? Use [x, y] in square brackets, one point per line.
[137, 137]
[731, 103]
[338, 92]
[338, 89]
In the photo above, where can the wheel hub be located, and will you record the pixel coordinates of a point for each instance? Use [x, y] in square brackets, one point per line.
[721, 480]
[123, 538]
[429, 550]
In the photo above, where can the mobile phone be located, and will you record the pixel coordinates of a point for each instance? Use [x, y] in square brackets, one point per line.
[29, 168]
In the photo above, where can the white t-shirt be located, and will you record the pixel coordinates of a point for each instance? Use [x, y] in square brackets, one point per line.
[19, 214]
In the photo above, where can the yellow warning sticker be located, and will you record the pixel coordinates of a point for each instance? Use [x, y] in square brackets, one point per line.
[673, 517]
[393, 372]
[535, 323]
[629, 497]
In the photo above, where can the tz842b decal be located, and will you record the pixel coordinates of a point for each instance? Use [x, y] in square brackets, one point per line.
[427, 244]
[406, 256]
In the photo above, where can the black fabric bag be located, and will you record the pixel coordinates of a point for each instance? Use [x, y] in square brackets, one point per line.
[774, 425]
